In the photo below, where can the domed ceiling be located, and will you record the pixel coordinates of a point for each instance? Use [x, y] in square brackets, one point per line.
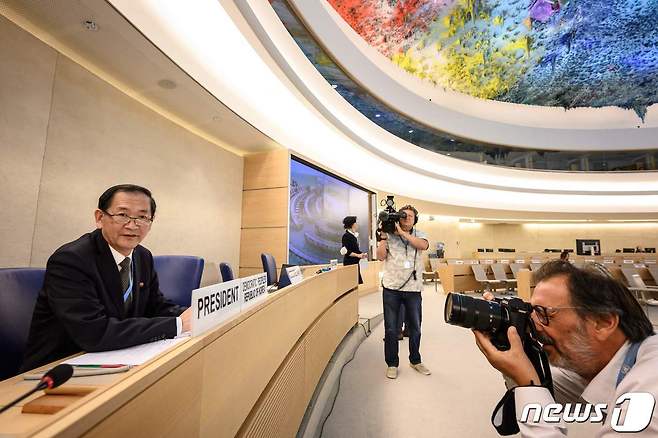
[566, 53]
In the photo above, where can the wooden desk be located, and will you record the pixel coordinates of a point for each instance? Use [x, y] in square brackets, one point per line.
[458, 278]
[252, 376]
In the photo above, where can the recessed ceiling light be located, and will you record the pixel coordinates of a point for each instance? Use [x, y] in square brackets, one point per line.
[410, 131]
[167, 84]
[448, 154]
[334, 86]
[90, 25]
[378, 115]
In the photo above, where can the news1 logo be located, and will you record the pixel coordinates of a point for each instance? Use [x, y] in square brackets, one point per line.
[638, 413]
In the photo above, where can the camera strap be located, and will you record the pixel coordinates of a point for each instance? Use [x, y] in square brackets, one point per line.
[503, 417]
[413, 272]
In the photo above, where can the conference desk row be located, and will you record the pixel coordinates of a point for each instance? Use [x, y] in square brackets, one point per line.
[253, 375]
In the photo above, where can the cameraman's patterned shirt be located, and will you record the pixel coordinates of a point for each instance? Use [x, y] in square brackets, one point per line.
[398, 252]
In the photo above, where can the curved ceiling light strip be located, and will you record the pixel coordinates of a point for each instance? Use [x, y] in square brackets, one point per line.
[208, 43]
[523, 126]
[441, 142]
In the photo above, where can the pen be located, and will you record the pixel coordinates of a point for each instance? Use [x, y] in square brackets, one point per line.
[99, 366]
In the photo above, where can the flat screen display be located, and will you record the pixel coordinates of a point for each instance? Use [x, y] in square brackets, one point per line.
[318, 203]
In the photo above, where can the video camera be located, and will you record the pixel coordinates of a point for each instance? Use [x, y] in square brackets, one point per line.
[389, 216]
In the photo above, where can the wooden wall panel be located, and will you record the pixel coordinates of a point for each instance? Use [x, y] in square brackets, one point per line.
[323, 338]
[267, 170]
[281, 408]
[255, 241]
[265, 208]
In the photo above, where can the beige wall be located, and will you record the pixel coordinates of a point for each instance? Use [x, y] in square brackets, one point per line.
[66, 135]
[463, 239]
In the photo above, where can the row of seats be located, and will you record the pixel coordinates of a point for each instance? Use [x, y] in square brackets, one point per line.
[19, 288]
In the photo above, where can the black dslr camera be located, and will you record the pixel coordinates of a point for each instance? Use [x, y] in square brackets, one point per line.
[493, 317]
[388, 217]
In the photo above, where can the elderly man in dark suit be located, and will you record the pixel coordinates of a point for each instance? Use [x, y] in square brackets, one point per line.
[101, 291]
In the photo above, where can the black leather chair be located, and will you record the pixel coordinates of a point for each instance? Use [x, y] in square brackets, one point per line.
[178, 276]
[19, 288]
[269, 266]
[225, 272]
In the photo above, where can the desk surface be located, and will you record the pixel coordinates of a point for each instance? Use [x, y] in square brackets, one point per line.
[207, 385]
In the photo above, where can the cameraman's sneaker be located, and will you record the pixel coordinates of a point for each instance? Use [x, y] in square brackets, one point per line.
[421, 368]
[392, 372]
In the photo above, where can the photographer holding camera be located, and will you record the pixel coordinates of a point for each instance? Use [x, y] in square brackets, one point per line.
[400, 248]
[598, 341]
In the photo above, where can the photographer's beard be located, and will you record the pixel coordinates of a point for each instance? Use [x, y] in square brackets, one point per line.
[576, 353]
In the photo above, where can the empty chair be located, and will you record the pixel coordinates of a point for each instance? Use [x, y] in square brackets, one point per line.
[269, 266]
[516, 267]
[639, 288]
[653, 271]
[535, 265]
[178, 276]
[481, 276]
[19, 289]
[500, 274]
[634, 280]
[225, 272]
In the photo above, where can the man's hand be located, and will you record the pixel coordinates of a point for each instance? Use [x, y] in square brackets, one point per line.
[186, 319]
[364, 255]
[513, 362]
[398, 230]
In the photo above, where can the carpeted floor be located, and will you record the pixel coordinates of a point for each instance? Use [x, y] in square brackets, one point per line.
[455, 401]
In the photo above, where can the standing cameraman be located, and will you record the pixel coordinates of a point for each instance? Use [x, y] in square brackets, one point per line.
[401, 253]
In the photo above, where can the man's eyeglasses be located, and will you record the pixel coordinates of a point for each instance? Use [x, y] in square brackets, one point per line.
[123, 219]
[545, 313]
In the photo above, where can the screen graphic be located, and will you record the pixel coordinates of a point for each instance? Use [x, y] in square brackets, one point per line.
[318, 204]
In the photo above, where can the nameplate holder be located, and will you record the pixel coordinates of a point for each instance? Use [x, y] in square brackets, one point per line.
[213, 304]
[333, 263]
[295, 274]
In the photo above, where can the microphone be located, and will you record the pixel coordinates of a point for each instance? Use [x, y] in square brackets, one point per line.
[52, 379]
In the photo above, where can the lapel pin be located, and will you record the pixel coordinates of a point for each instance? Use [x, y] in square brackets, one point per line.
[141, 284]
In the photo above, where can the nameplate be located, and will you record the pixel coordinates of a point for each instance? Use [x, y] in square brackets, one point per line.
[608, 262]
[488, 262]
[628, 262]
[459, 262]
[333, 263]
[295, 274]
[520, 261]
[213, 304]
[650, 262]
[254, 290]
[503, 261]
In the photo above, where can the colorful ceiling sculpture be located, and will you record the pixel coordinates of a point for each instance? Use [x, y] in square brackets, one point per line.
[567, 53]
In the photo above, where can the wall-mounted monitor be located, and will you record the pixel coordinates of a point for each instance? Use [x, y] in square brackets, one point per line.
[588, 247]
[318, 203]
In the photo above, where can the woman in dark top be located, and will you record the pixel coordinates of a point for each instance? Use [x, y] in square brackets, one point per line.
[351, 252]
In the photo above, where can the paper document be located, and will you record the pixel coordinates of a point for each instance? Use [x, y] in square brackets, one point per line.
[363, 263]
[136, 355]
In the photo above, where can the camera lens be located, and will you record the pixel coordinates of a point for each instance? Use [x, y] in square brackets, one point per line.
[470, 312]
